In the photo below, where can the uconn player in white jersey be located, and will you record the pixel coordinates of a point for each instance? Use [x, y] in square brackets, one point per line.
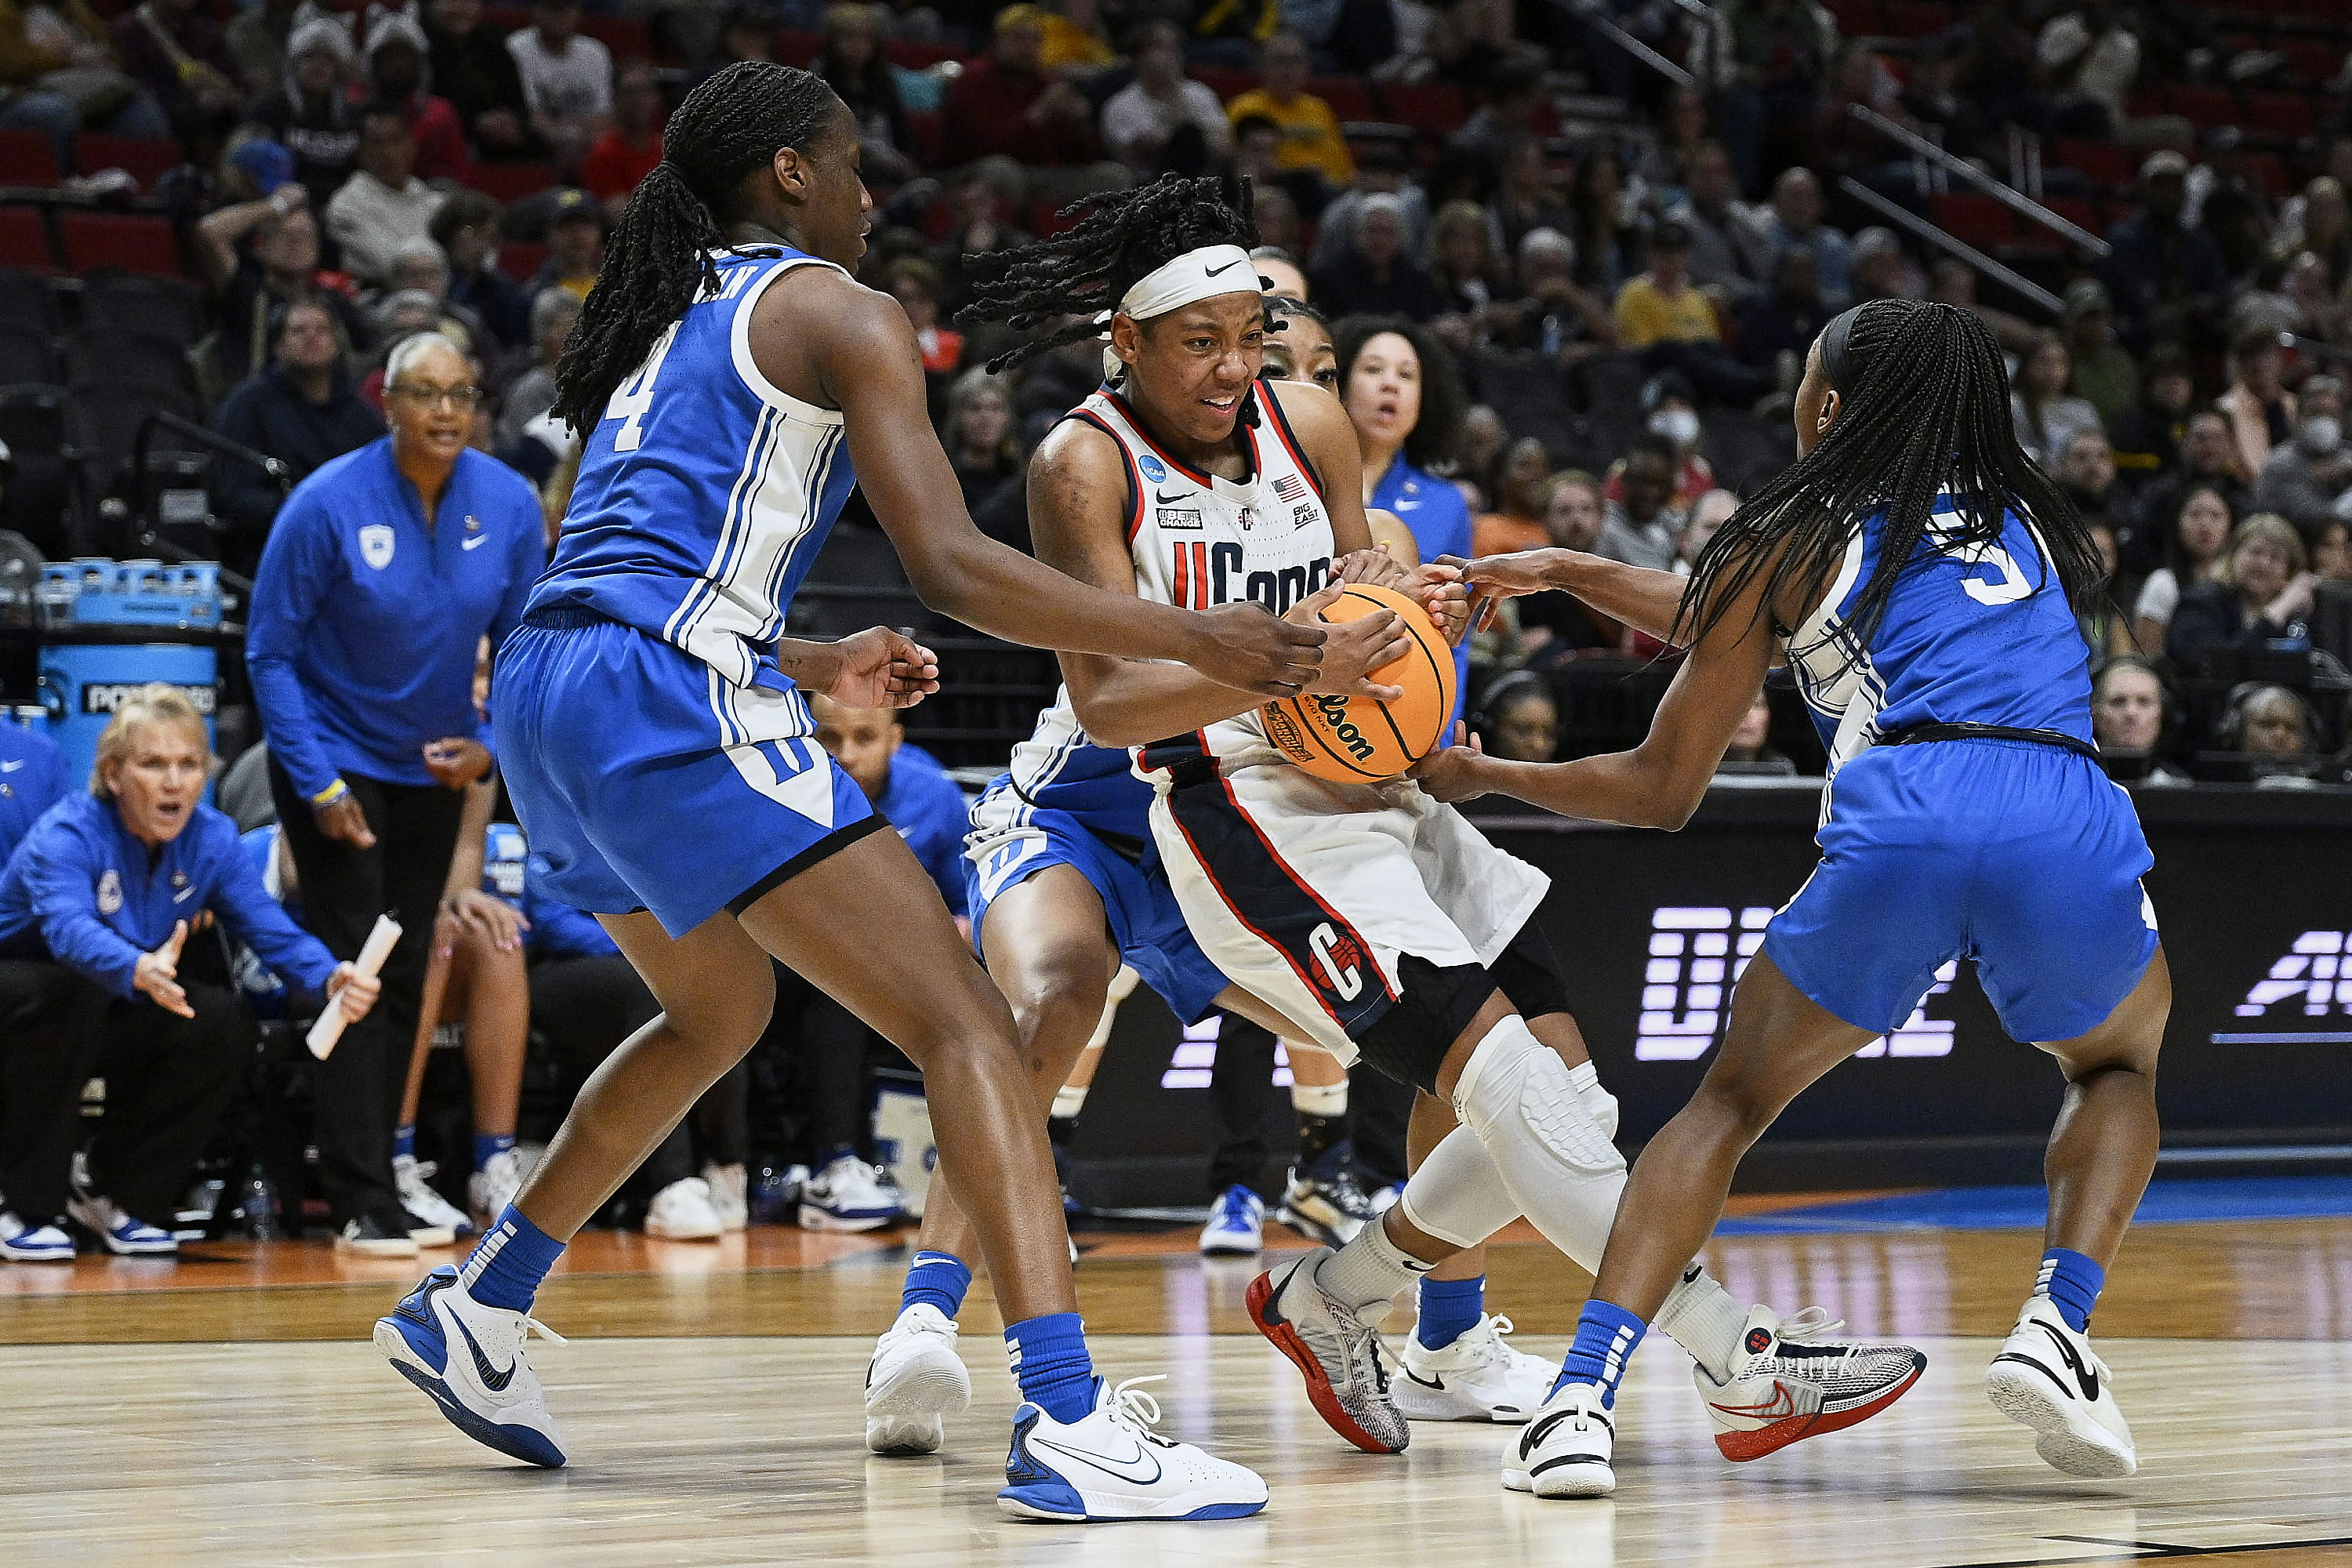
[1919, 572]
[726, 373]
[1179, 483]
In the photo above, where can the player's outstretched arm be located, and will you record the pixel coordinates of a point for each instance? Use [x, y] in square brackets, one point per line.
[860, 350]
[1644, 599]
[1660, 781]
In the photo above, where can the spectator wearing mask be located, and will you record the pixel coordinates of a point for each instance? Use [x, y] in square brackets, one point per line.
[2128, 705]
[384, 205]
[1520, 722]
[174, 50]
[2045, 414]
[310, 112]
[575, 249]
[1007, 106]
[979, 437]
[466, 227]
[393, 62]
[1642, 529]
[1163, 121]
[2260, 591]
[471, 66]
[1376, 276]
[2165, 276]
[2106, 374]
[262, 257]
[630, 147]
[2190, 546]
[1794, 217]
[302, 409]
[552, 316]
[96, 905]
[385, 569]
[567, 80]
[1670, 409]
[1309, 131]
[32, 778]
[2304, 479]
[2260, 408]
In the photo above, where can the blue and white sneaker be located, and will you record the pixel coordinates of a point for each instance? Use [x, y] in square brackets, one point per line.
[1236, 1226]
[1112, 1465]
[489, 1393]
[849, 1195]
[123, 1234]
[22, 1241]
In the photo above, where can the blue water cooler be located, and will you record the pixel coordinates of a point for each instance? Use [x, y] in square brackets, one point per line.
[109, 628]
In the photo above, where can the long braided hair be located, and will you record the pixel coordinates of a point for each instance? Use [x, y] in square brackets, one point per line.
[1125, 237]
[1925, 409]
[658, 261]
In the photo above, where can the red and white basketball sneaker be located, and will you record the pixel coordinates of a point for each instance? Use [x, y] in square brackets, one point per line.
[1790, 1382]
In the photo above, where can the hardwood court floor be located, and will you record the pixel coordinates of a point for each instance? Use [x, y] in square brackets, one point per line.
[712, 1403]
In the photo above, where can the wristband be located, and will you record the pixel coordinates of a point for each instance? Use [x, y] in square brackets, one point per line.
[328, 796]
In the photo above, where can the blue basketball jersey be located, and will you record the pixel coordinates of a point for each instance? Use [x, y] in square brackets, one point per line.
[1973, 633]
[705, 492]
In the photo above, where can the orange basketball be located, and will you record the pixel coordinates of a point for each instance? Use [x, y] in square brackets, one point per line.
[1354, 739]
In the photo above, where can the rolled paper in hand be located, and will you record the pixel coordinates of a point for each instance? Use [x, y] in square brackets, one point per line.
[378, 947]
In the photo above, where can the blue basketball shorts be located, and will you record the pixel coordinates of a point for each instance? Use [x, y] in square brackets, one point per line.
[1012, 841]
[2023, 856]
[644, 782]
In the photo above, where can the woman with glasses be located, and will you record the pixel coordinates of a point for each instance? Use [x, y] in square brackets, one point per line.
[383, 572]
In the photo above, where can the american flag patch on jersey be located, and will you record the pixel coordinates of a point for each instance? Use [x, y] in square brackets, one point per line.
[1289, 486]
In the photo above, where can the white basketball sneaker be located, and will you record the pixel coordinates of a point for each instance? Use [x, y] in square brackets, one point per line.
[467, 1358]
[413, 1180]
[1790, 1382]
[730, 1194]
[915, 1382]
[682, 1211]
[494, 1186]
[2047, 1377]
[1112, 1465]
[1566, 1450]
[1476, 1378]
[848, 1194]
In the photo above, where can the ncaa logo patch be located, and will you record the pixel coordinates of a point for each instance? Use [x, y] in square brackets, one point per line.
[109, 892]
[1153, 469]
[375, 545]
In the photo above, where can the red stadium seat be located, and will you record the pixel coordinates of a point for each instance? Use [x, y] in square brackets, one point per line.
[796, 49]
[2103, 163]
[2288, 114]
[146, 159]
[1349, 97]
[520, 259]
[511, 181]
[24, 240]
[2312, 60]
[1228, 82]
[1974, 218]
[132, 242]
[923, 137]
[2206, 107]
[1435, 107]
[908, 55]
[1044, 221]
[1858, 18]
[626, 36]
[1916, 18]
[28, 159]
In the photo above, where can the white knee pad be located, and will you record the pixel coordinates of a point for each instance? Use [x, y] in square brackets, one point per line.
[1559, 1167]
[1459, 1196]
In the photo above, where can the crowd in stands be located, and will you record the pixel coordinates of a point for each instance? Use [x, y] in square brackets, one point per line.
[1568, 297]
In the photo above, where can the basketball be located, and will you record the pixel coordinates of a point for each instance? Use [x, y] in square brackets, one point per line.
[1352, 739]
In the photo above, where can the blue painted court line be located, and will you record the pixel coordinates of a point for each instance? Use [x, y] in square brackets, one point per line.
[2005, 1208]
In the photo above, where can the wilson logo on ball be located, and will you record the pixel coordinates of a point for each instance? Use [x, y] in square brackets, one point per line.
[1343, 729]
[1357, 740]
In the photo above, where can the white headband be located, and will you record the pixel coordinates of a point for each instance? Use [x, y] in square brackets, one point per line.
[1196, 275]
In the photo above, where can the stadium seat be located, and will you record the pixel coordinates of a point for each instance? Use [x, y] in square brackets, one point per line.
[29, 160]
[1974, 218]
[1858, 18]
[38, 499]
[24, 240]
[130, 241]
[112, 353]
[1350, 97]
[794, 49]
[2103, 163]
[1433, 107]
[103, 421]
[510, 183]
[2287, 114]
[164, 307]
[520, 259]
[27, 299]
[1228, 82]
[27, 357]
[908, 55]
[145, 159]
[1915, 18]
[626, 36]
[2206, 107]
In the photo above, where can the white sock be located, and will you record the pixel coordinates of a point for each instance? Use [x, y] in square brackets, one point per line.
[1070, 1098]
[1320, 1098]
[1457, 1195]
[1515, 1096]
[1705, 1320]
[1369, 1270]
[1597, 1099]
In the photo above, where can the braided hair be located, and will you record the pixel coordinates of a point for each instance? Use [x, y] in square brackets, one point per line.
[658, 261]
[1124, 238]
[1925, 409]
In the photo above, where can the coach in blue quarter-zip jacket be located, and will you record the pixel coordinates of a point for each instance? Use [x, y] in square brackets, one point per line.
[95, 907]
[385, 569]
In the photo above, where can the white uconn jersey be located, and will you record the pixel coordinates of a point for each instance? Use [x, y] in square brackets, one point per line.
[1198, 540]
[705, 492]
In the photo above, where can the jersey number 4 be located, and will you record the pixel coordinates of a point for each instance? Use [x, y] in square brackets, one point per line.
[633, 398]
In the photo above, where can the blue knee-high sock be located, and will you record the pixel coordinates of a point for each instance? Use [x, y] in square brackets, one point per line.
[508, 1263]
[488, 1146]
[1606, 1335]
[1051, 1363]
[936, 1279]
[1449, 1309]
[2073, 1283]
